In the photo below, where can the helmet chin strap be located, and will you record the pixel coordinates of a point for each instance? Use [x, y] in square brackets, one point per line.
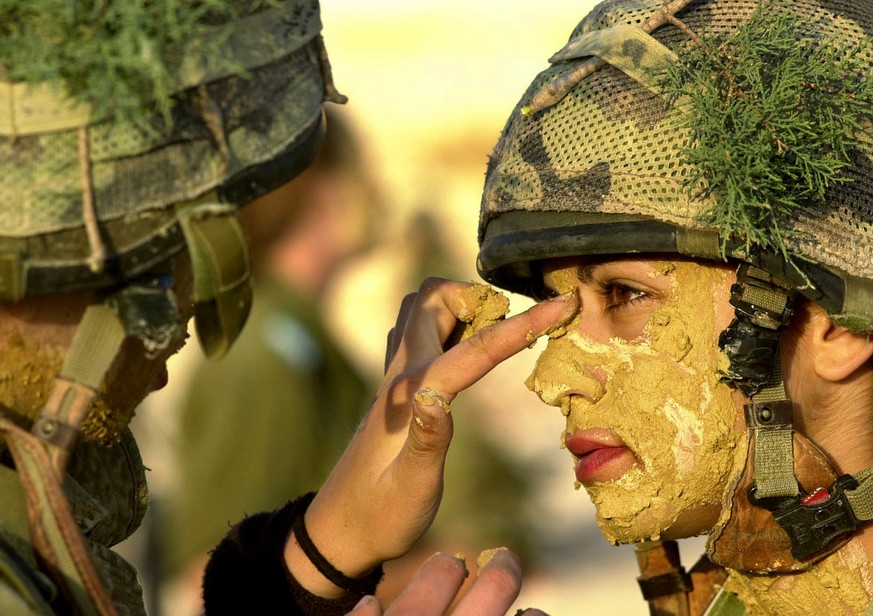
[816, 522]
[41, 456]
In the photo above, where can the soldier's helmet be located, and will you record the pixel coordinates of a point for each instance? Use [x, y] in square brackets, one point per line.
[726, 130]
[713, 129]
[129, 131]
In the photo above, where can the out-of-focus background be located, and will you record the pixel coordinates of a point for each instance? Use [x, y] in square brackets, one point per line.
[430, 84]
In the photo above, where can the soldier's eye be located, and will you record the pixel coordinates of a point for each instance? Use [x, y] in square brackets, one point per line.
[617, 295]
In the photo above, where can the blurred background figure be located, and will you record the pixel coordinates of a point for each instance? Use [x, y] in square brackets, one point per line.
[273, 418]
[275, 414]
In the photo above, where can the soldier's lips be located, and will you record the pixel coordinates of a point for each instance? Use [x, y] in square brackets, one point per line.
[601, 456]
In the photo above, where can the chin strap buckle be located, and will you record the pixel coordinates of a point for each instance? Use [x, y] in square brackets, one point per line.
[814, 521]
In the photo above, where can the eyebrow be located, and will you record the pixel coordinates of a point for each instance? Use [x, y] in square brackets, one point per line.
[585, 273]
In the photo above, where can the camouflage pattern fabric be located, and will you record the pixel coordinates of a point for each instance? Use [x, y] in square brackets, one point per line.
[600, 171]
[225, 129]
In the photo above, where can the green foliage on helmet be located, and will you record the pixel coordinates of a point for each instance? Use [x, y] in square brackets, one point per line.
[118, 57]
[774, 116]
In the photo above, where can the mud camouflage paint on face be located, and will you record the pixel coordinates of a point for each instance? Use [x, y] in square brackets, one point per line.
[661, 395]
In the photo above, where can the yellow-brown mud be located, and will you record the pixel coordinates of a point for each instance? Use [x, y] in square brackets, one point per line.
[480, 306]
[838, 584]
[662, 396]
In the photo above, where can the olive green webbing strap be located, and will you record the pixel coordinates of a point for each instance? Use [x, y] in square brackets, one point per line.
[774, 445]
[861, 498]
[41, 455]
[95, 346]
[222, 272]
[769, 416]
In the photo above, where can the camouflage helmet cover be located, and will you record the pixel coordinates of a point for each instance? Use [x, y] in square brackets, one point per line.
[600, 171]
[238, 127]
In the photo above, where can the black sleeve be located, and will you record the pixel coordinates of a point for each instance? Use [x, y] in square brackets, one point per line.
[246, 573]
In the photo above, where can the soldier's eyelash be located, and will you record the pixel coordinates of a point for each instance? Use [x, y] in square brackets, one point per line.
[617, 295]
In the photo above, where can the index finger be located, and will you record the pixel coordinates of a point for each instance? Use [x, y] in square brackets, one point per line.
[464, 364]
[496, 587]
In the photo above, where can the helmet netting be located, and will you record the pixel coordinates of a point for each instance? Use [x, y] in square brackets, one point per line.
[612, 146]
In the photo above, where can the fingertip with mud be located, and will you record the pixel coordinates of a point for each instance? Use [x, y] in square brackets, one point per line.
[551, 317]
[456, 564]
[429, 398]
[429, 409]
[499, 557]
[431, 428]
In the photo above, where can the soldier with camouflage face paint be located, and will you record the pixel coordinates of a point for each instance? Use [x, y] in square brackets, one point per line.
[690, 182]
[698, 173]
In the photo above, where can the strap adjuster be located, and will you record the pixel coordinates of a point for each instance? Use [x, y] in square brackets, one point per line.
[813, 525]
[763, 298]
[773, 414]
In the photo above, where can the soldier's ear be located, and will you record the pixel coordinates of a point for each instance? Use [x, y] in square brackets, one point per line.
[837, 352]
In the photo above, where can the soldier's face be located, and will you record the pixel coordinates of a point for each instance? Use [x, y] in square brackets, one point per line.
[654, 434]
[35, 335]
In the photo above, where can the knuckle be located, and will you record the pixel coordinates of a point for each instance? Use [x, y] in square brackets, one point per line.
[431, 285]
[484, 342]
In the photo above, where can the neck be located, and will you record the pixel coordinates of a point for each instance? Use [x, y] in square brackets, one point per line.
[844, 580]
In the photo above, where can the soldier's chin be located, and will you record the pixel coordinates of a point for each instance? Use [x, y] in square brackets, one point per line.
[105, 424]
[659, 524]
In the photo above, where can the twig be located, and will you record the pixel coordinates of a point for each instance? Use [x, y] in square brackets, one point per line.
[554, 92]
[97, 260]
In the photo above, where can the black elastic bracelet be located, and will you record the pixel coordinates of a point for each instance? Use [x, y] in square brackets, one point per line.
[363, 585]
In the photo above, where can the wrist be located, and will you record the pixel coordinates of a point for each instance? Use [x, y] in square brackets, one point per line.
[328, 574]
[306, 573]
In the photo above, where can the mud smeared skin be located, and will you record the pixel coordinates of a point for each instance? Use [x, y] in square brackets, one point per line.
[839, 584]
[26, 373]
[661, 395]
[565, 284]
[481, 306]
[429, 397]
[28, 369]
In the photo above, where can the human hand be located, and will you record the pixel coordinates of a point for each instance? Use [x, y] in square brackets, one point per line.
[436, 585]
[385, 491]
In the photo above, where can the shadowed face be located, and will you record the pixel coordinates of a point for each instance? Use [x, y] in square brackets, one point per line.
[35, 335]
[653, 431]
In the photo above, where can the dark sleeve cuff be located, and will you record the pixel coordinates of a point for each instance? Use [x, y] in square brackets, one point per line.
[246, 573]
